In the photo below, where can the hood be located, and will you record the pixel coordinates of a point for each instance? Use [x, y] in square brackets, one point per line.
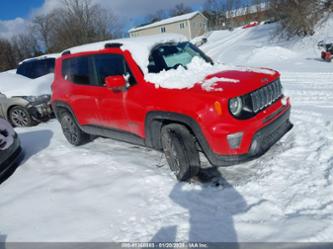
[235, 83]
[206, 78]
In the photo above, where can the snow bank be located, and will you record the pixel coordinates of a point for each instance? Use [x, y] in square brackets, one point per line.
[197, 72]
[8, 140]
[262, 46]
[139, 47]
[18, 85]
[271, 54]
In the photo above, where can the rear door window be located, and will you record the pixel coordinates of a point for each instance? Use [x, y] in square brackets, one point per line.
[78, 70]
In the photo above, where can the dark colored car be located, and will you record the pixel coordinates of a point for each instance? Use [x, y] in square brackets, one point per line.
[10, 150]
[102, 90]
[36, 67]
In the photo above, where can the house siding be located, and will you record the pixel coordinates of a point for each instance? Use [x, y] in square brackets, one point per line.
[191, 28]
[198, 26]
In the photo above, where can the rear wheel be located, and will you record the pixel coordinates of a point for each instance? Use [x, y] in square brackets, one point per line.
[20, 117]
[72, 131]
[180, 151]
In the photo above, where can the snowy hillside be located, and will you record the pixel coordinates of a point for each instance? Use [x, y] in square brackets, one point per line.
[262, 46]
[113, 191]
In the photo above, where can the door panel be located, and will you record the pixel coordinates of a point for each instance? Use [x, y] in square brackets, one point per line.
[111, 103]
[83, 94]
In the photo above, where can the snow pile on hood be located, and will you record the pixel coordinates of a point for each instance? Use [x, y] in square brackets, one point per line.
[18, 85]
[210, 84]
[7, 137]
[197, 72]
[139, 47]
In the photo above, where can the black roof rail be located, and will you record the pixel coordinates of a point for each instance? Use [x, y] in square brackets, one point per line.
[113, 45]
[66, 52]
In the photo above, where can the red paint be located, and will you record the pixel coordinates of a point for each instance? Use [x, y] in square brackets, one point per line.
[127, 110]
[250, 25]
[327, 56]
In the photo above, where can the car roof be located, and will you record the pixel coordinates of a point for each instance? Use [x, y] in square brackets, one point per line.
[42, 57]
[139, 47]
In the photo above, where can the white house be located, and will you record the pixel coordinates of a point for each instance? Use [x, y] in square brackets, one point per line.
[191, 25]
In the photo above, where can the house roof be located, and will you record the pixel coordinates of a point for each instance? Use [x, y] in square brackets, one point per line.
[168, 21]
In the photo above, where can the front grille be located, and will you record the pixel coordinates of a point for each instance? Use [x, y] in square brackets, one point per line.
[266, 96]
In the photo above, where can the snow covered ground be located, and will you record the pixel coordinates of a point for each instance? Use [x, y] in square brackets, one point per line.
[113, 191]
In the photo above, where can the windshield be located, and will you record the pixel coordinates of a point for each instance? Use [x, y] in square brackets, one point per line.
[171, 56]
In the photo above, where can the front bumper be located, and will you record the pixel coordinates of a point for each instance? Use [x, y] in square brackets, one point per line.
[263, 140]
[40, 112]
[10, 159]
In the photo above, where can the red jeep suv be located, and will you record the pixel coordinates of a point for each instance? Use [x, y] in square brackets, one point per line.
[152, 92]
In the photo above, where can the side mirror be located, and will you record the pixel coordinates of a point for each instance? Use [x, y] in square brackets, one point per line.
[115, 83]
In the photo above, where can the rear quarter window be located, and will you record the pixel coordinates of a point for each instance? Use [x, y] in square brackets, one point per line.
[77, 70]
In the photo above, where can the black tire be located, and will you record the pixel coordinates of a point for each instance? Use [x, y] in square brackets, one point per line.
[180, 151]
[20, 117]
[72, 131]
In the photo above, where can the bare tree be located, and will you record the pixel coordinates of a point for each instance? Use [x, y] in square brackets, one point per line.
[180, 9]
[43, 26]
[215, 11]
[24, 46]
[155, 17]
[76, 22]
[7, 61]
[297, 17]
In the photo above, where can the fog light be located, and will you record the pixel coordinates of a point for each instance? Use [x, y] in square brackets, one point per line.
[284, 101]
[235, 140]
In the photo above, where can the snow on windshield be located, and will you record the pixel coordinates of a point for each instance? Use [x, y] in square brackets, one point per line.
[178, 58]
[196, 72]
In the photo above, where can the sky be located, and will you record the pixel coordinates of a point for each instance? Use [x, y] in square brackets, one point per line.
[16, 14]
[11, 9]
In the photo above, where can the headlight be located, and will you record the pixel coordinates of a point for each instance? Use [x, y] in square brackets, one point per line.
[236, 106]
[30, 98]
[33, 99]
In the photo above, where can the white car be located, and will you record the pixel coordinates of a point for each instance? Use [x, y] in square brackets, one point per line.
[25, 94]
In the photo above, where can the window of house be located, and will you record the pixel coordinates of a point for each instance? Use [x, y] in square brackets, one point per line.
[182, 25]
[77, 70]
[163, 30]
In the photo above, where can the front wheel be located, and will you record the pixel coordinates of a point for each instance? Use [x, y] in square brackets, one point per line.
[20, 117]
[180, 151]
[72, 131]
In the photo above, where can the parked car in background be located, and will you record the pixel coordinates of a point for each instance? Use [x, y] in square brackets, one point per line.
[10, 150]
[327, 54]
[135, 90]
[37, 67]
[251, 25]
[25, 111]
[199, 41]
[25, 96]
